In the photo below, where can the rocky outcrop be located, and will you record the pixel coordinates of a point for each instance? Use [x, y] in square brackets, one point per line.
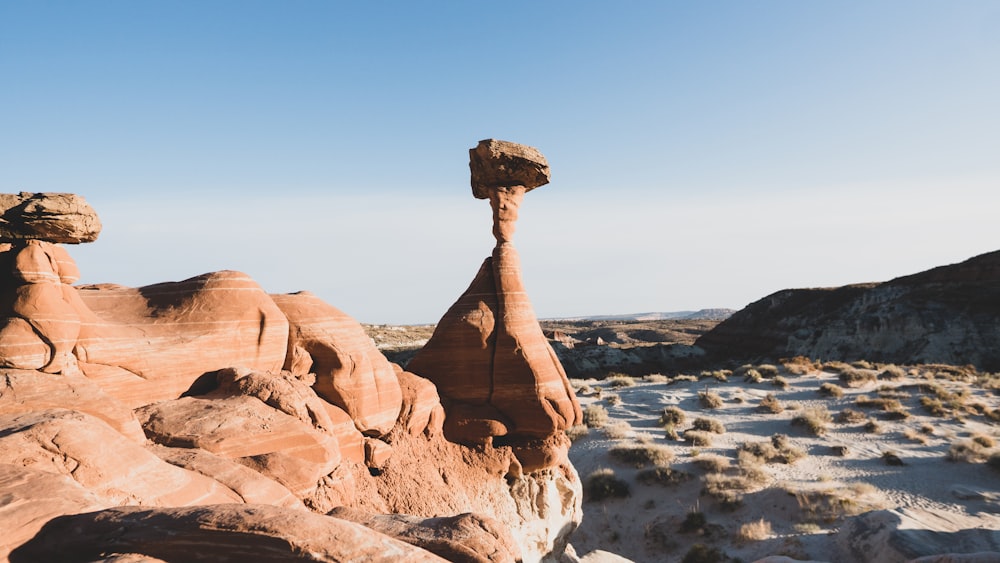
[52, 217]
[917, 535]
[214, 533]
[501, 381]
[231, 421]
[944, 315]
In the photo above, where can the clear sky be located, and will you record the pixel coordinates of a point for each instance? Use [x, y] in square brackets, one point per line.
[703, 153]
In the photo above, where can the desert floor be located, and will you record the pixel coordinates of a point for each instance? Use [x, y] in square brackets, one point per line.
[915, 439]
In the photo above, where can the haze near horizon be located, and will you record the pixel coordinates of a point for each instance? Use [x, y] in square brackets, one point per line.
[703, 155]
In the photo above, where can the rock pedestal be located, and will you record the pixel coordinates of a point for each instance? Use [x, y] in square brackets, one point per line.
[500, 379]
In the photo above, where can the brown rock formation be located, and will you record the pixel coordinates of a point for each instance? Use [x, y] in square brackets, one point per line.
[51, 217]
[238, 532]
[944, 315]
[174, 395]
[488, 355]
[465, 538]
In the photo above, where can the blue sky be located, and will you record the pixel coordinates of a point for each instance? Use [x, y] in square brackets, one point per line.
[704, 154]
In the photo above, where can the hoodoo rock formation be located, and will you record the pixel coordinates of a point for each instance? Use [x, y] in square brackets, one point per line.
[500, 379]
[206, 415]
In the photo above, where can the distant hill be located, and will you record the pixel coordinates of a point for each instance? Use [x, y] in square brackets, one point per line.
[701, 314]
[949, 314]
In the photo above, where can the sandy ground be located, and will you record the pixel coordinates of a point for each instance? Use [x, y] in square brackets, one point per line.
[806, 502]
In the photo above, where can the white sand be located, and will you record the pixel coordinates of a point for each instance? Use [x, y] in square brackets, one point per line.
[936, 493]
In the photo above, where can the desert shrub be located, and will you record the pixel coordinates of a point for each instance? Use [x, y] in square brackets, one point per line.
[799, 365]
[814, 419]
[663, 476]
[576, 432]
[983, 440]
[641, 455]
[829, 505]
[708, 425]
[926, 428]
[780, 382]
[620, 380]
[670, 432]
[595, 416]
[887, 392]
[835, 367]
[655, 378]
[851, 416]
[752, 376]
[914, 436]
[701, 553]
[698, 438]
[968, 451]
[771, 404]
[712, 463]
[672, 415]
[726, 489]
[852, 377]
[684, 377]
[862, 364]
[709, 399]
[603, 484]
[778, 450]
[892, 372]
[873, 427]
[892, 458]
[757, 530]
[694, 521]
[613, 399]
[617, 430]
[721, 375]
[934, 406]
[767, 371]
[831, 390]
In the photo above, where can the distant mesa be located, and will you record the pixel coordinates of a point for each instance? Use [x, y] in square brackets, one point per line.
[943, 315]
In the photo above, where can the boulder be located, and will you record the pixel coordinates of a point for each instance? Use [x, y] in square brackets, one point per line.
[464, 538]
[52, 217]
[495, 164]
[350, 371]
[214, 533]
[907, 534]
[112, 468]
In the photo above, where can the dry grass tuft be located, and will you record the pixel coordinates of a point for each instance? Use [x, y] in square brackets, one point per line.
[799, 365]
[698, 438]
[831, 390]
[983, 440]
[673, 416]
[814, 419]
[835, 503]
[914, 436]
[620, 380]
[663, 476]
[655, 378]
[892, 372]
[595, 416]
[612, 399]
[851, 416]
[758, 530]
[709, 425]
[968, 451]
[604, 484]
[778, 450]
[709, 399]
[853, 377]
[577, 432]
[617, 430]
[640, 455]
[873, 427]
[771, 404]
[713, 463]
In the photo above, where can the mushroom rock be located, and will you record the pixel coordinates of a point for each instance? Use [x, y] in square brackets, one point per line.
[464, 538]
[51, 217]
[224, 532]
[488, 353]
[105, 463]
[350, 371]
[159, 339]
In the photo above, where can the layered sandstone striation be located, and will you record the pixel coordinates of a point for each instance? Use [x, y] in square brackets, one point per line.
[137, 423]
[500, 378]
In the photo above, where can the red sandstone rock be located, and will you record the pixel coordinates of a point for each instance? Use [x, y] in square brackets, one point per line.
[350, 371]
[31, 497]
[250, 485]
[52, 217]
[465, 538]
[170, 334]
[105, 463]
[28, 391]
[21, 347]
[246, 430]
[214, 533]
[497, 164]
[422, 411]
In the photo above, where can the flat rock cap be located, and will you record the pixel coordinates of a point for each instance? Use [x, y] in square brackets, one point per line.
[502, 164]
[51, 217]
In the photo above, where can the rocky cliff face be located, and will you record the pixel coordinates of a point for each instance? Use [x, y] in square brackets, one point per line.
[944, 315]
[204, 418]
